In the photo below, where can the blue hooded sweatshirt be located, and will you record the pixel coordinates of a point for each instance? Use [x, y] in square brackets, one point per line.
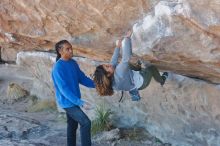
[67, 76]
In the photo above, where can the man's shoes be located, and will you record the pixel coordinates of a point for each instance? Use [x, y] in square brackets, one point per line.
[164, 77]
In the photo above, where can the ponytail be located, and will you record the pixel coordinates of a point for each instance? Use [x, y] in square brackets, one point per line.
[58, 56]
[58, 46]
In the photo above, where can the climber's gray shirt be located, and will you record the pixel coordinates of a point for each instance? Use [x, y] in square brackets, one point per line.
[123, 75]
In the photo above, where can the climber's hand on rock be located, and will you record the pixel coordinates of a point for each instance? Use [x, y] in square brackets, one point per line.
[118, 43]
[129, 33]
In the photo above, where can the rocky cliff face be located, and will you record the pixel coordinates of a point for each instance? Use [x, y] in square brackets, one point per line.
[37, 24]
[180, 36]
[184, 112]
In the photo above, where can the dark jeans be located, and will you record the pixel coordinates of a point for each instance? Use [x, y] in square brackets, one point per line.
[148, 73]
[74, 116]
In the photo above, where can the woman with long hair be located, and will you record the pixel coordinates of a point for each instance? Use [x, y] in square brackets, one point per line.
[125, 76]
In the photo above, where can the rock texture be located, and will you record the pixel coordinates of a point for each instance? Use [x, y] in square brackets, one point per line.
[15, 92]
[28, 25]
[20, 127]
[39, 65]
[17, 75]
[16, 129]
[182, 36]
[111, 135]
[184, 112]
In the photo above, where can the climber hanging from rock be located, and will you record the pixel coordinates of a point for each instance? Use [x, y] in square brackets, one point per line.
[125, 76]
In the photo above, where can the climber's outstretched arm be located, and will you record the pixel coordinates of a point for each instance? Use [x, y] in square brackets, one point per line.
[127, 47]
[115, 56]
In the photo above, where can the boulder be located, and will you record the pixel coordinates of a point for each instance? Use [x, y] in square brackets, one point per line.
[185, 111]
[15, 92]
[181, 36]
[108, 136]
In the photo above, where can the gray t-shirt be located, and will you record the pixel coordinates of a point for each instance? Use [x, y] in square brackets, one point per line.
[138, 79]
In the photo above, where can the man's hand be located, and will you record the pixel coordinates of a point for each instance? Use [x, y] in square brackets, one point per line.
[87, 105]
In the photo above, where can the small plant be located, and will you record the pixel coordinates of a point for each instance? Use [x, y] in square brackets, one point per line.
[43, 105]
[15, 92]
[102, 120]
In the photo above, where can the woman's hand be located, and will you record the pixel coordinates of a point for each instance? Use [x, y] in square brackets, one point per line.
[118, 43]
[129, 33]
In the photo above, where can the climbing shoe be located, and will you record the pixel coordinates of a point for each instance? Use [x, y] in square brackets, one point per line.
[164, 77]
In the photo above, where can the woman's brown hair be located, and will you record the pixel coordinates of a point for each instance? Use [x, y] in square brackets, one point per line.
[103, 82]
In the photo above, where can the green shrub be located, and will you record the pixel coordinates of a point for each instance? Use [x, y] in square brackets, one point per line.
[102, 120]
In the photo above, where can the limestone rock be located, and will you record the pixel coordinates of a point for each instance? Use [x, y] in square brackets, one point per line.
[15, 127]
[39, 64]
[181, 36]
[110, 136]
[185, 111]
[10, 73]
[15, 92]
[38, 24]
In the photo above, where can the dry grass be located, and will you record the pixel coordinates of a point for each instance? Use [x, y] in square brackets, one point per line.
[15, 92]
[43, 105]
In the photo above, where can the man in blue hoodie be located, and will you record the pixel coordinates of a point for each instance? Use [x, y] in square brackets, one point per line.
[67, 76]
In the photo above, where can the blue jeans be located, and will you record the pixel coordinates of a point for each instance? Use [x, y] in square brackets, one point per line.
[134, 93]
[74, 116]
